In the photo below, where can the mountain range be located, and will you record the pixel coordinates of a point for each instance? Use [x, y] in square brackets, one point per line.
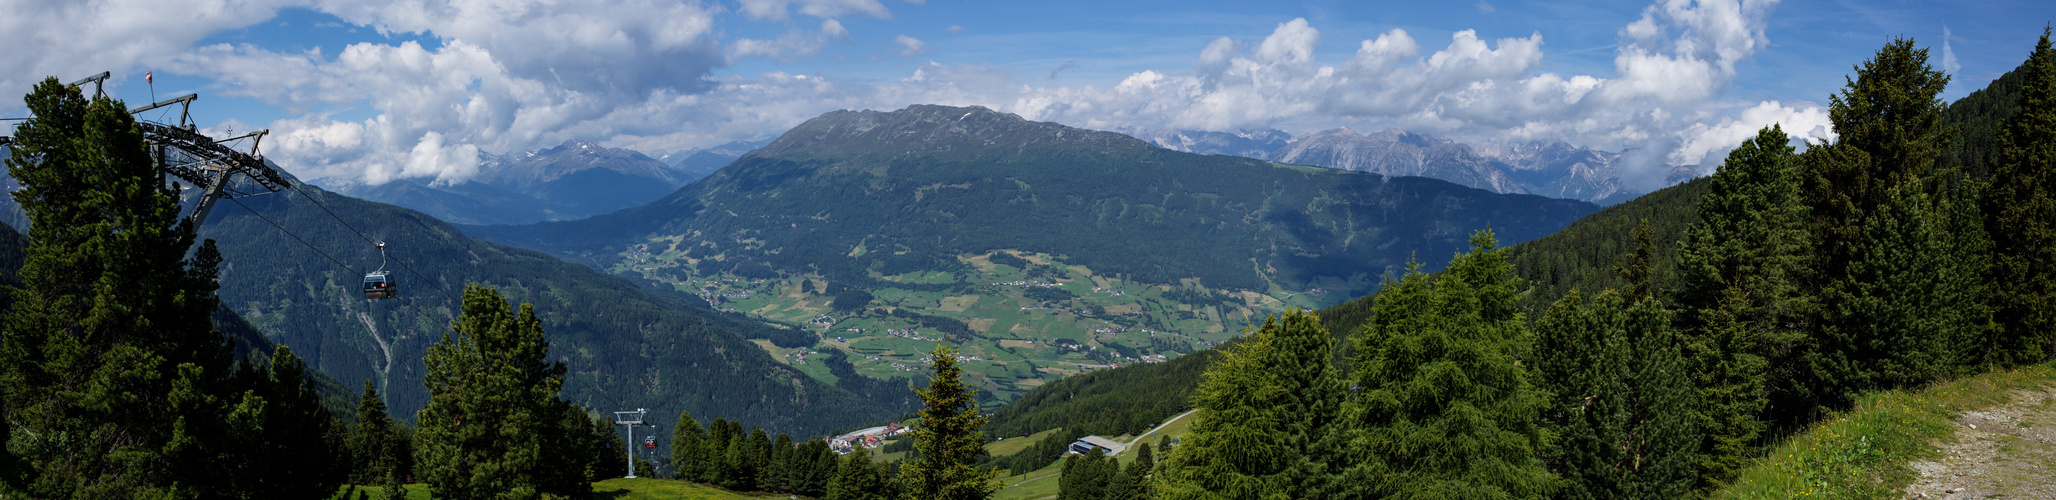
[576, 179]
[1554, 169]
[1048, 250]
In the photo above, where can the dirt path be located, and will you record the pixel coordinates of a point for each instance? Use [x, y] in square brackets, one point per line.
[2005, 451]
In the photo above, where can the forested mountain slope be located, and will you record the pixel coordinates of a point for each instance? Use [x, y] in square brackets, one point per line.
[624, 345]
[1582, 256]
[1047, 250]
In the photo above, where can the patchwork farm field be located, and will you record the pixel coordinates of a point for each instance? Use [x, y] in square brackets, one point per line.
[1018, 318]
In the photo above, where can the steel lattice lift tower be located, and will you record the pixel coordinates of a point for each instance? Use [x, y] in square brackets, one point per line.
[203, 162]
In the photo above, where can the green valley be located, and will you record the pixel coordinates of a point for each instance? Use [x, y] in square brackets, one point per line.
[1019, 318]
[1044, 250]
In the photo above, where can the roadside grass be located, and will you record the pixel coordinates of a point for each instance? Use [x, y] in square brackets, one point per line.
[1865, 452]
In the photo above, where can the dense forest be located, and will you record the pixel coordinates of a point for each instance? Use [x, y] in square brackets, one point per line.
[1882, 260]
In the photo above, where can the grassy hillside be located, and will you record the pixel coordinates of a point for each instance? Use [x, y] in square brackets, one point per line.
[1867, 451]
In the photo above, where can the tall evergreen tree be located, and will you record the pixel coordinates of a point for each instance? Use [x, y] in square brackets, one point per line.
[1265, 410]
[687, 457]
[1888, 315]
[772, 476]
[372, 443]
[859, 479]
[1443, 407]
[1662, 431]
[1086, 476]
[948, 438]
[1581, 357]
[2021, 212]
[1741, 267]
[116, 378]
[492, 409]
[720, 434]
[292, 451]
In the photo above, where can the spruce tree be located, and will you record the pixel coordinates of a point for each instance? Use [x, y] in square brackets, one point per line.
[292, 451]
[1443, 407]
[948, 438]
[1662, 430]
[1582, 358]
[687, 458]
[772, 476]
[1890, 314]
[2021, 214]
[115, 376]
[1741, 267]
[1086, 476]
[372, 441]
[492, 407]
[859, 479]
[1144, 465]
[1265, 411]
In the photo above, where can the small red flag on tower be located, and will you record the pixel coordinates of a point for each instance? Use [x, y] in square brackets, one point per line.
[149, 77]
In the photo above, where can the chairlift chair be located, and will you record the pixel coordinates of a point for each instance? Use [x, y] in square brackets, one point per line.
[380, 284]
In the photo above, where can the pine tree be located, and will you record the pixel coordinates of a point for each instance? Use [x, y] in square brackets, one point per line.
[372, 441]
[948, 438]
[1144, 465]
[112, 363]
[1741, 267]
[1443, 406]
[1264, 411]
[686, 457]
[293, 450]
[1086, 476]
[2021, 214]
[859, 479]
[492, 409]
[1662, 431]
[1881, 250]
[1581, 356]
[772, 476]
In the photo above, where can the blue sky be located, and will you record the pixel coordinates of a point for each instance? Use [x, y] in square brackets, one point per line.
[369, 91]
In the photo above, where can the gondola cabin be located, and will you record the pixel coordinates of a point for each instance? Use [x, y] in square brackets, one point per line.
[379, 285]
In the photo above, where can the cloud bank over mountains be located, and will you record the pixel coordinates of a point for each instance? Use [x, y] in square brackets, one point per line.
[454, 79]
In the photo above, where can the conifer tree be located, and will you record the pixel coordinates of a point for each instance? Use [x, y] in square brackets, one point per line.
[1741, 267]
[1581, 358]
[1265, 410]
[859, 479]
[115, 376]
[2022, 217]
[1444, 408]
[292, 451]
[948, 438]
[1144, 465]
[687, 459]
[372, 441]
[492, 409]
[772, 476]
[1086, 476]
[1888, 315]
[1662, 431]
